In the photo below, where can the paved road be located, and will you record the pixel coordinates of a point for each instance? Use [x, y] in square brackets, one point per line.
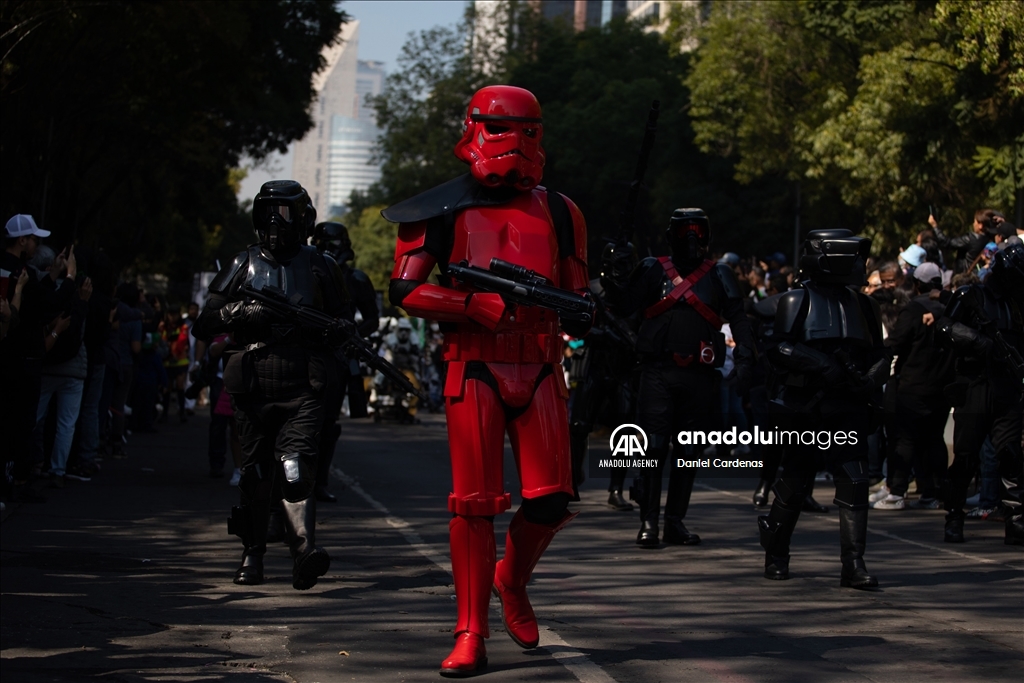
[128, 578]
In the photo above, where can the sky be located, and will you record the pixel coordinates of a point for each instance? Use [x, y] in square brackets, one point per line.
[383, 28]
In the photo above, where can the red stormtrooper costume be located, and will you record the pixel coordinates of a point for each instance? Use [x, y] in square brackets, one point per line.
[504, 371]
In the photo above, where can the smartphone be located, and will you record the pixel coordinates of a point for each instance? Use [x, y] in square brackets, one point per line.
[4, 284]
[933, 212]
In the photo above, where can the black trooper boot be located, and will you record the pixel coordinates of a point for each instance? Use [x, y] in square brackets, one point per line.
[311, 562]
[680, 487]
[275, 524]
[761, 493]
[1015, 527]
[615, 486]
[249, 522]
[617, 502]
[646, 493]
[776, 530]
[853, 532]
[954, 531]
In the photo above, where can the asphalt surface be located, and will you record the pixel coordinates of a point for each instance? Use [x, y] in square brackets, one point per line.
[128, 578]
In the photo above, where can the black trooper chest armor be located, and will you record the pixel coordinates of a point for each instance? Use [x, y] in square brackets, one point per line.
[682, 329]
[293, 276]
[834, 313]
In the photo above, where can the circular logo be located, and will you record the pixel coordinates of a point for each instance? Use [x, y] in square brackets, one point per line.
[707, 355]
[626, 440]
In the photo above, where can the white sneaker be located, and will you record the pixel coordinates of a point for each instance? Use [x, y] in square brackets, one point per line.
[876, 487]
[236, 477]
[878, 495]
[890, 502]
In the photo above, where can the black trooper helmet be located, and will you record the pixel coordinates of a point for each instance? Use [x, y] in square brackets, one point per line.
[689, 233]
[282, 215]
[834, 256]
[333, 239]
[1008, 270]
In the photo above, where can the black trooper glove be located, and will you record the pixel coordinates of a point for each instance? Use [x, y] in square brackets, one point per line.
[617, 261]
[341, 333]
[855, 380]
[803, 359]
[248, 314]
[878, 373]
[965, 338]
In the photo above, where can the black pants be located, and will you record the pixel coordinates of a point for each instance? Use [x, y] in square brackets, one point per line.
[597, 395]
[281, 435]
[993, 407]
[671, 399]
[828, 417]
[19, 401]
[330, 431]
[919, 424]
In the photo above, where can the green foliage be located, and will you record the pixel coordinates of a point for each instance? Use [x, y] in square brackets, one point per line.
[988, 34]
[122, 120]
[879, 108]
[1003, 170]
[373, 239]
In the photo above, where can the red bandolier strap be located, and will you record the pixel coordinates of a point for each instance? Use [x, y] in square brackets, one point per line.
[683, 289]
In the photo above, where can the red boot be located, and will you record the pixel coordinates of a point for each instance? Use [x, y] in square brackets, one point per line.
[524, 545]
[473, 554]
[467, 659]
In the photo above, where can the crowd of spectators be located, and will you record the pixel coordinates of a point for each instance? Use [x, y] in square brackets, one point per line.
[909, 454]
[86, 360]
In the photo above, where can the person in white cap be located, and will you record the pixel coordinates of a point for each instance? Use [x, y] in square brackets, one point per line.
[923, 369]
[25, 345]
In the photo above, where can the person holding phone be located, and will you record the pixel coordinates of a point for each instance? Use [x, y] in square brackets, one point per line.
[43, 296]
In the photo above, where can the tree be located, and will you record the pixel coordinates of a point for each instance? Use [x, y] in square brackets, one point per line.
[373, 240]
[877, 108]
[595, 88]
[122, 120]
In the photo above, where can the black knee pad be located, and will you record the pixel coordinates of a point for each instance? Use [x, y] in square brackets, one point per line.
[791, 491]
[547, 509]
[299, 477]
[852, 485]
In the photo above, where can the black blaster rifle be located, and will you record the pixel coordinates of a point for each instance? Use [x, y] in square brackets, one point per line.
[517, 285]
[619, 326]
[628, 216]
[353, 345]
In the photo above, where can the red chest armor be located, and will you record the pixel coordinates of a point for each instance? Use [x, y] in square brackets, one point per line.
[519, 232]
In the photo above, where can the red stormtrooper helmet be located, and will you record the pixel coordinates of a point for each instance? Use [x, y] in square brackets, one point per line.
[501, 142]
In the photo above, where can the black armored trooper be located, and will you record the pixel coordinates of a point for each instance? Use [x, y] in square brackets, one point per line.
[278, 382]
[985, 325]
[604, 376]
[685, 299]
[827, 365]
[333, 239]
